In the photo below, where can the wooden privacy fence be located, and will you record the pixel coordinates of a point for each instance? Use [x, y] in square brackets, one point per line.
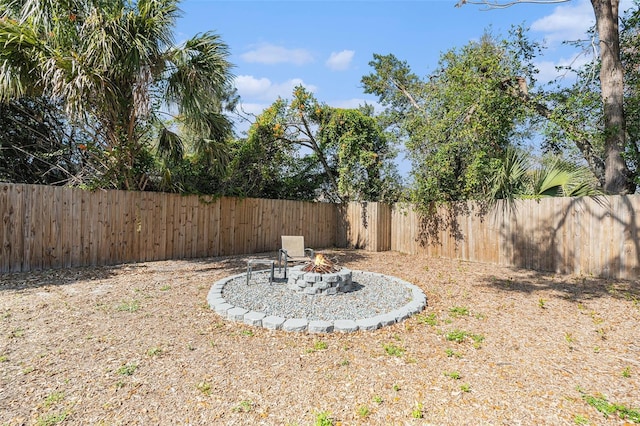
[53, 227]
[564, 235]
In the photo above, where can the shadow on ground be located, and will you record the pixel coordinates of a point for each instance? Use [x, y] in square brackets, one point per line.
[572, 288]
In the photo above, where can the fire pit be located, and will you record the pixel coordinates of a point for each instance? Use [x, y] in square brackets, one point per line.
[320, 276]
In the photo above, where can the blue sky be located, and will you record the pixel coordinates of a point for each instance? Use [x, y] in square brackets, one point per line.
[327, 45]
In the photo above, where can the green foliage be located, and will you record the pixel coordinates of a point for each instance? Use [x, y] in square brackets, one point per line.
[393, 350]
[458, 122]
[36, 146]
[607, 408]
[344, 151]
[323, 418]
[113, 65]
[457, 336]
[127, 369]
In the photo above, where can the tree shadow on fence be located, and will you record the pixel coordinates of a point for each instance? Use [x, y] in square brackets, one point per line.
[434, 219]
[545, 248]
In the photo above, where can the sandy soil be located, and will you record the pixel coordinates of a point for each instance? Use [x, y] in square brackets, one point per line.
[137, 344]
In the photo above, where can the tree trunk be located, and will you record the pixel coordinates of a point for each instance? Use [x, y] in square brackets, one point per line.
[611, 84]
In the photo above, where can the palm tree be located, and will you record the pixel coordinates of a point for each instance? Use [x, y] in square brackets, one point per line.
[518, 178]
[117, 71]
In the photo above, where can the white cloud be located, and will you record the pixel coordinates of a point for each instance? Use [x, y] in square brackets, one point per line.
[266, 53]
[549, 72]
[340, 61]
[250, 86]
[570, 21]
[263, 89]
[354, 103]
[567, 22]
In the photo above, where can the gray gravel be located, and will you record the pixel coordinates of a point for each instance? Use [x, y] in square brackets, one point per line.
[373, 294]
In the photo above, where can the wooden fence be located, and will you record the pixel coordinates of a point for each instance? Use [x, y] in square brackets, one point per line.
[587, 236]
[54, 227]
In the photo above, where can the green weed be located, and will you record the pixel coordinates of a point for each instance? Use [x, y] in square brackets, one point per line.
[363, 411]
[128, 306]
[127, 369]
[465, 387]
[53, 398]
[429, 319]
[451, 353]
[393, 350]
[417, 412]
[243, 407]
[453, 374]
[52, 419]
[580, 420]
[626, 373]
[323, 418]
[154, 351]
[458, 311]
[456, 335]
[204, 387]
[377, 399]
[601, 404]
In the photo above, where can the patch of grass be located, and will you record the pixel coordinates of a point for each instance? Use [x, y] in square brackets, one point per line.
[453, 374]
[580, 420]
[465, 387]
[456, 335]
[477, 340]
[245, 406]
[458, 311]
[344, 362]
[18, 332]
[451, 353]
[626, 373]
[155, 351]
[248, 333]
[129, 306]
[364, 411]
[429, 319]
[569, 337]
[607, 408]
[541, 303]
[127, 369]
[323, 418]
[53, 398]
[377, 399]
[52, 419]
[204, 387]
[165, 288]
[417, 412]
[393, 350]
[318, 345]
[396, 387]
[4, 358]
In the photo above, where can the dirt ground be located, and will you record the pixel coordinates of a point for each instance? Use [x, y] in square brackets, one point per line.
[137, 344]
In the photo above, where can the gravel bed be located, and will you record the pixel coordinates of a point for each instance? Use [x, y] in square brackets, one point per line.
[372, 294]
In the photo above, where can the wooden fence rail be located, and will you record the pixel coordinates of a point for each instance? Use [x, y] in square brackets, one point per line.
[56, 227]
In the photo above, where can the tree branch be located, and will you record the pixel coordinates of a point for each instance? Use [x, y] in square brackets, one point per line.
[495, 4]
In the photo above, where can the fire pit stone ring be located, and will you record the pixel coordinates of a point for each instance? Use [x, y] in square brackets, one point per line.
[373, 301]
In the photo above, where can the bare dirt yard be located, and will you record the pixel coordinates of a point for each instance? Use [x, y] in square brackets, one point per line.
[137, 344]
